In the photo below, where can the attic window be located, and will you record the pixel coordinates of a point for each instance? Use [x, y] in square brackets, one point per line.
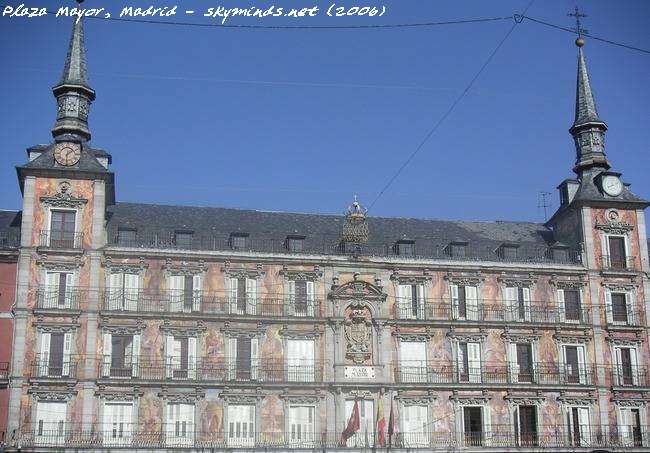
[295, 244]
[238, 241]
[458, 250]
[560, 254]
[405, 247]
[183, 239]
[508, 252]
[126, 237]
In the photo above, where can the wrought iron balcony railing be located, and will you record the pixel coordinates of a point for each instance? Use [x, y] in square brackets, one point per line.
[54, 298]
[629, 376]
[207, 302]
[61, 239]
[410, 372]
[622, 316]
[209, 369]
[625, 263]
[124, 434]
[540, 312]
[4, 371]
[59, 366]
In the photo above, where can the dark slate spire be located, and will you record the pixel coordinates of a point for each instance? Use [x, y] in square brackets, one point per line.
[588, 129]
[73, 93]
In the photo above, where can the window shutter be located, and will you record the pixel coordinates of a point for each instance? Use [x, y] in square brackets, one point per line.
[487, 425]
[191, 357]
[421, 301]
[581, 365]
[630, 303]
[251, 295]
[135, 354]
[51, 295]
[405, 302]
[585, 426]
[131, 291]
[560, 305]
[109, 421]
[172, 416]
[69, 290]
[255, 365]
[169, 355]
[45, 353]
[526, 293]
[115, 291]
[512, 360]
[474, 361]
[107, 352]
[176, 287]
[634, 364]
[67, 352]
[232, 358]
[472, 302]
[511, 303]
[454, 300]
[310, 298]
[197, 286]
[233, 295]
[619, 366]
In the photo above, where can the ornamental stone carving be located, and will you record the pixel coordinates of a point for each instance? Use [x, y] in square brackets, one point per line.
[301, 275]
[565, 283]
[519, 281]
[470, 400]
[293, 334]
[614, 224]
[527, 400]
[473, 337]
[183, 331]
[185, 268]
[122, 329]
[413, 336]
[243, 332]
[190, 397]
[63, 198]
[520, 337]
[357, 290]
[116, 395]
[577, 400]
[580, 337]
[422, 400]
[59, 265]
[400, 278]
[54, 394]
[59, 327]
[125, 268]
[465, 278]
[358, 333]
[243, 272]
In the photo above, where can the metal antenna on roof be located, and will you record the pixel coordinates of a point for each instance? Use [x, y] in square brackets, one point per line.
[543, 202]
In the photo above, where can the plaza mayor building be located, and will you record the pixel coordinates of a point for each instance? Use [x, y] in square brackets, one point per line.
[152, 327]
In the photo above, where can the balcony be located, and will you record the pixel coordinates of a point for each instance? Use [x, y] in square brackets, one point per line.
[53, 298]
[628, 316]
[618, 264]
[536, 312]
[46, 366]
[61, 239]
[407, 372]
[629, 376]
[211, 369]
[205, 302]
[4, 374]
[132, 436]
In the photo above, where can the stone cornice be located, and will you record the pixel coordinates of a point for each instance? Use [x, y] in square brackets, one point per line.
[465, 278]
[122, 329]
[422, 400]
[637, 341]
[51, 393]
[58, 265]
[520, 281]
[400, 278]
[243, 272]
[565, 337]
[470, 400]
[475, 337]
[577, 400]
[51, 327]
[243, 332]
[231, 397]
[413, 336]
[528, 400]
[117, 395]
[126, 268]
[189, 268]
[63, 198]
[524, 337]
[293, 334]
[565, 283]
[183, 331]
[301, 275]
[190, 397]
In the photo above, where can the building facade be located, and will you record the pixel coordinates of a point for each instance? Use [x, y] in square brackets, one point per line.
[143, 326]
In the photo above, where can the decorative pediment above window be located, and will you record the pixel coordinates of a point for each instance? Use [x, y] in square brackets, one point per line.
[292, 334]
[52, 394]
[520, 337]
[59, 265]
[421, 400]
[185, 267]
[470, 400]
[125, 268]
[63, 198]
[565, 283]
[473, 337]
[357, 289]
[183, 331]
[413, 336]
[190, 397]
[619, 286]
[301, 275]
[579, 337]
[526, 400]
[51, 327]
[637, 341]
[302, 399]
[465, 278]
[122, 395]
[614, 224]
[242, 272]
[622, 401]
[411, 279]
[241, 398]
[122, 329]
[519, 281]
[245, 332]
[577, 400]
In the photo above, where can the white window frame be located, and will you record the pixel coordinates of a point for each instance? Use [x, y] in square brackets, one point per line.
[52, 289]
[517, 427]
[76, 238]
[605, 248]
[625, 437]
[471, 314]
[180, 423]
[173, 359]
[116, 432]
[405, 300]
[618, 366]
[485, 418]
[121, 297]
[107, 355]
[51, 422]
[291, 298]
[413, 370]
[300, 432]
[514, 367]
[252, 295]
[630, 303]
[177, 293]
[45, 352]
[300, 369]
[415, 438]
[583, 374]
[585, 437]
[365, 436]
[511, 302]
[561, 307]
[240, 436]
[472, 375]
[232, 358]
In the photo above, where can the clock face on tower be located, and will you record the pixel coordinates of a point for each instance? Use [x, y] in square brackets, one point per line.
[612, 185]
[67, 154]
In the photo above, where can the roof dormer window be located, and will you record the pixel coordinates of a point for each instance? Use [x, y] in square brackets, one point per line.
[295, 244]
[405, 247]
[238, 241]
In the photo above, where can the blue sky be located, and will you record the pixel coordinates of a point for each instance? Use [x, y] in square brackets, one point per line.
[301, 120]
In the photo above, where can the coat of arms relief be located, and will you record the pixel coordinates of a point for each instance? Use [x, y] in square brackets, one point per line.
[358, 334]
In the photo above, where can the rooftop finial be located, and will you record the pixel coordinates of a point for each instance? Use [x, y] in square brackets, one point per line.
[355, 227]
[580, 41]
[73, 93]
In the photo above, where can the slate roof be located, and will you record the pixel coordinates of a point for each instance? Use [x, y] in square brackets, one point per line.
[9, 229]
[87, 162]
[585, 104]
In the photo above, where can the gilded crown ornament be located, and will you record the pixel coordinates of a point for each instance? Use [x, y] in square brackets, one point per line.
[355, 227]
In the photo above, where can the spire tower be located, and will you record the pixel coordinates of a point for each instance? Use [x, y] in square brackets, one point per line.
[73, 93]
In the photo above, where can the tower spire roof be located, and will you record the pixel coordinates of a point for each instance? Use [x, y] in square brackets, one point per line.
[585, 103]
[73, 92]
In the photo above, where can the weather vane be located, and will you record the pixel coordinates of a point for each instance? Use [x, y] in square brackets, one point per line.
[580, 41]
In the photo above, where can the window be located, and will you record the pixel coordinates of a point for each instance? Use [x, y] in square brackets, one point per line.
[518, 304]
[183, 239]
[415, 426]
[410, 301]
[627, 366]
[464, 301]
[59, 291]
[62, 229]
[578, 426]
[629, 427]
[526, 426]
[55, 354]
[126, 238]
[574, 369]
[302, 431]
[185, 293]
[121, 358]
[243, 363]
[180, 357]
[50, 423]
[521, 362]
[243, 296]
[469, 362]
[241, 425]
[180, 425]
[365, 436]
[413, 361]
[301, 297]
[617, 252]
[405, 248]
[508, 252]
[238, 241]
[560, 255]
[123, 292]
[300, 360]
[570, 305]
[118, 424]
[618, 307]
[458, 250]
[473, 426]
[295, 244]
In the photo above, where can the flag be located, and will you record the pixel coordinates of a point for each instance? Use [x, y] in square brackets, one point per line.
[391, 424]
[354, 423]
[381, 423]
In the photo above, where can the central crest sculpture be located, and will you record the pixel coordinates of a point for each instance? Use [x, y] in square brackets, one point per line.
[355, 226]
[358, 335]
